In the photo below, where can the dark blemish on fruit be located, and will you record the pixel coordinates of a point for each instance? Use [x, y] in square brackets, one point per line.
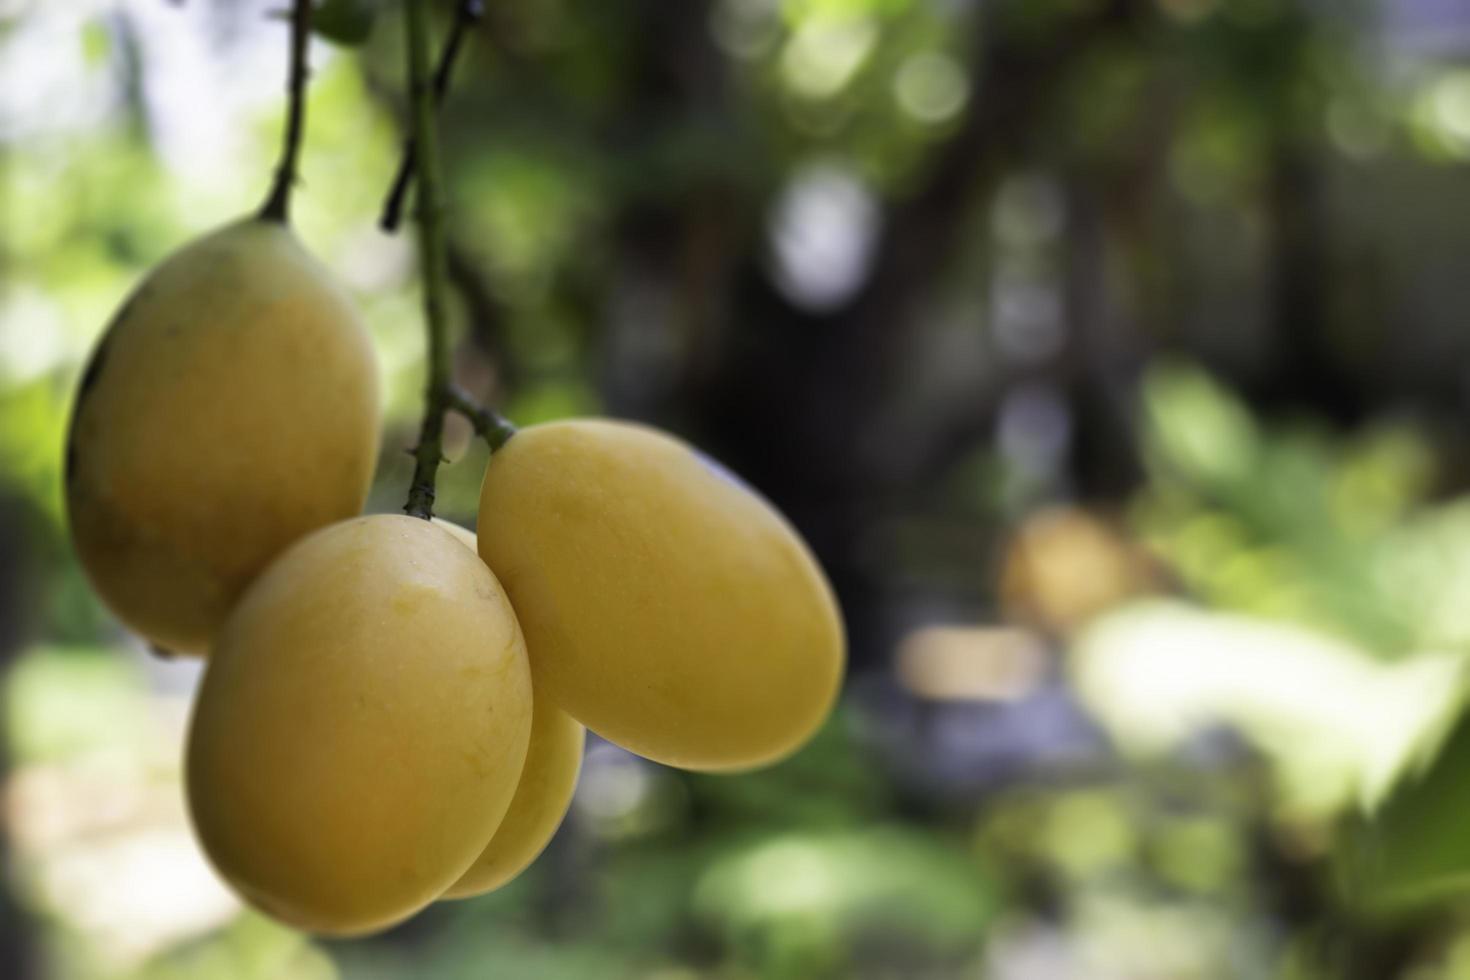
[90, 374]
[93, 371]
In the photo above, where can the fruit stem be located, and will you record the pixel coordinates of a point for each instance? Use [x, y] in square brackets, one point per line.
[489, 425]
[466, 14]
[430, 212]
[277, 206]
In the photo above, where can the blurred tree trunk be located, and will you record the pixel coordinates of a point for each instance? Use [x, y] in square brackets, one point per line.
[1310, 367]
[1104, 359]
[17, 956]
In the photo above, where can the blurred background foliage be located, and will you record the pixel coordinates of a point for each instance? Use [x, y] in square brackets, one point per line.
[1111, 354]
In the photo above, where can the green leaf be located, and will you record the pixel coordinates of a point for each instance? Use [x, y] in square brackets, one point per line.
[1340, 726]
[346, 22]
[791, 904]
[1197, 429]
[1415, 851]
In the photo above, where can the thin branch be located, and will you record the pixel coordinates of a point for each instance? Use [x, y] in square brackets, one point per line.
[430, 449]
[489, 425]
[467, 13]
[277, 206]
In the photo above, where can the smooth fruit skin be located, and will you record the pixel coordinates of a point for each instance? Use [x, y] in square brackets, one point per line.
[665, 605]
[543, 795]
[229, 409]
[548, 780]
[361, 727]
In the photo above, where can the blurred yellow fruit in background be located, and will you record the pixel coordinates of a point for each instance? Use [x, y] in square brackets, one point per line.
[230, 408]
[665, 605]
[361, 727]
[1064, 567]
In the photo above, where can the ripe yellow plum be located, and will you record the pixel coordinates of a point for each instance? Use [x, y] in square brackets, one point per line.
[548, 780]
[542, 797]
[361, 727]
[463, 535]
[230, 408]
[665, 605]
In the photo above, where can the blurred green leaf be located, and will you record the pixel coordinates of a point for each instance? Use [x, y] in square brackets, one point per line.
[793, 903]
[346, 22]
[826, 785]
[1300, 524]
[1340, 726]
[1416, 849]
[251, 948]
[65, 702]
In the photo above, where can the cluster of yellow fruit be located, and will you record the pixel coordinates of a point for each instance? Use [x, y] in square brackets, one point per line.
[392, 709]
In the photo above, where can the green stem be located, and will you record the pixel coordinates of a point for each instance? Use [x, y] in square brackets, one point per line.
[433, 268]
[489, 425]
[277, 205]
[466, 14]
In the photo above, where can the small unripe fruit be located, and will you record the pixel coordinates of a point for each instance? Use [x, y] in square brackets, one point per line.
[665, 605]
[361, 727]
[230, 408]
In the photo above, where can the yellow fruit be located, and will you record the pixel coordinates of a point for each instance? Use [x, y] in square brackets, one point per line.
[464, 536]
[665, 605]
[361, 727]
[548, 780]
[230, 408]
[545, 791]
